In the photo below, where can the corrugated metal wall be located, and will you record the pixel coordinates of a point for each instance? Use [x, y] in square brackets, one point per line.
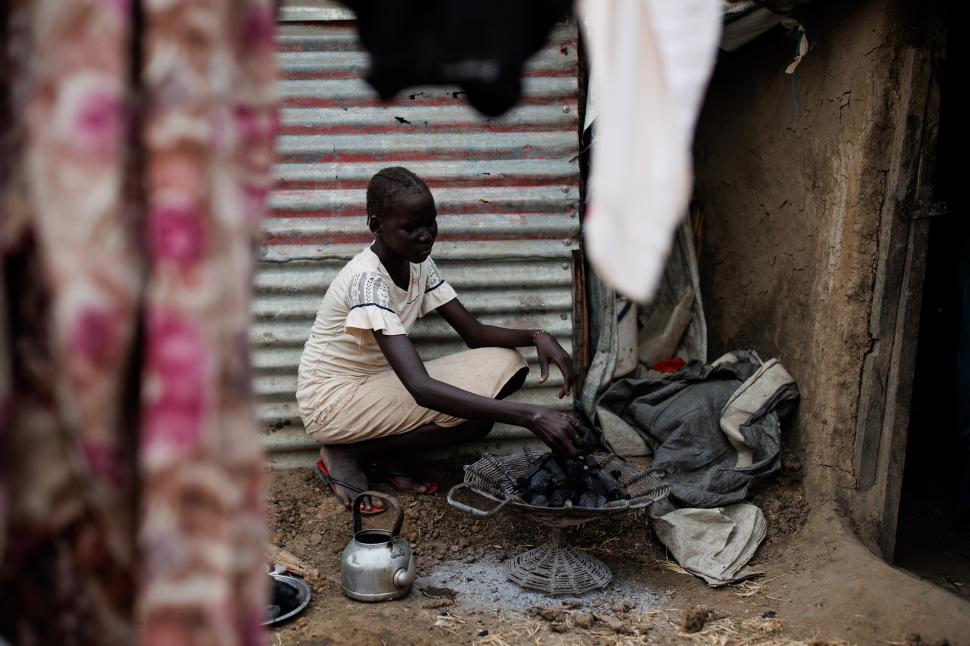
[506, 190]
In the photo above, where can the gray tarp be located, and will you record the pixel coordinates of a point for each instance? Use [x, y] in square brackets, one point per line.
[715, 544]
[715, 432]
[711, 453]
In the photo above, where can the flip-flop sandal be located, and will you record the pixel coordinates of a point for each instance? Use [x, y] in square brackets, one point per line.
[324, 474]
[383, 474]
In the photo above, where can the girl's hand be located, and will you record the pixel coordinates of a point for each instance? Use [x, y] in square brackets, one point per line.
[560, 432]
[550, 350]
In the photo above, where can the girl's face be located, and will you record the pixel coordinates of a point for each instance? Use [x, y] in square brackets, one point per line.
[409, 227]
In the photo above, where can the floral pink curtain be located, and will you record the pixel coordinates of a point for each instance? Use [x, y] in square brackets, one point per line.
[136, 147]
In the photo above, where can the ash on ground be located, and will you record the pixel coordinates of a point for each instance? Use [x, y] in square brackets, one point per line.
[483, 585]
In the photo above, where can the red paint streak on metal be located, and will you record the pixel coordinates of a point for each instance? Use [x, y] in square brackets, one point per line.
[484, 208]
[418, 101]
[383, 157]
[479, 181]
[548, 143]
[351, 46]
[332, 47]
[421, 126]
[364, 238]
[347, 75]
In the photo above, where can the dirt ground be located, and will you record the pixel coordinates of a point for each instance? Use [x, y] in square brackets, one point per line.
[651, 601]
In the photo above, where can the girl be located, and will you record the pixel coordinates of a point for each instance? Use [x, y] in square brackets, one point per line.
[366, 395]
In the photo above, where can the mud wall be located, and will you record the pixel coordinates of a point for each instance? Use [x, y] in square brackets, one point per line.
[792, 178]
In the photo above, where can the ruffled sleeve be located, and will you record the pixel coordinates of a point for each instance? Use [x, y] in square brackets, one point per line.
[437, 291]
[370, 308]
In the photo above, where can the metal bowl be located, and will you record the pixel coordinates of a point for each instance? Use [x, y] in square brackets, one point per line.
[295, 591]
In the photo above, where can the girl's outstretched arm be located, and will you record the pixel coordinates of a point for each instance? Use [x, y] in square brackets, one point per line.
[478, 335]
[558, 431]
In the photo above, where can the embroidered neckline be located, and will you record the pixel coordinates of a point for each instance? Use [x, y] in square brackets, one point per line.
[412, 279]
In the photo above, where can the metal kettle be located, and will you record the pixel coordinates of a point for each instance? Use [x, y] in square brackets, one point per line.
[377, 565]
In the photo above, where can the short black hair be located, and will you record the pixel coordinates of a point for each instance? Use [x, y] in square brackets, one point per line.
[387, 185]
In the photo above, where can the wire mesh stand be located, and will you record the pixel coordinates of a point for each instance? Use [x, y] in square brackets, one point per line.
[556, 567]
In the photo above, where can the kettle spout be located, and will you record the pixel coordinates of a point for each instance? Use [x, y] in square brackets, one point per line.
[404, 577]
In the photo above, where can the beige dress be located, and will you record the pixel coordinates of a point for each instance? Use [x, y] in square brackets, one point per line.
[347, 391]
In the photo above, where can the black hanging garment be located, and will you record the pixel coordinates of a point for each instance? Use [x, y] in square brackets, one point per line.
[479, 46]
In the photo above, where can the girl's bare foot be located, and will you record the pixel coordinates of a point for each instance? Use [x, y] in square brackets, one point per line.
[395, 474]
[344, 466]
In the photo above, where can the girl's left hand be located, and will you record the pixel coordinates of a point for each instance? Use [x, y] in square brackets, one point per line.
[549, 350]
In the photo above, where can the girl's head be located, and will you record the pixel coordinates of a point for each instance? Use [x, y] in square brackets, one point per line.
[401, 213]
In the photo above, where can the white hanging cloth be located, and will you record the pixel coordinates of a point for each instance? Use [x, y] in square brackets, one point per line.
[651, 61]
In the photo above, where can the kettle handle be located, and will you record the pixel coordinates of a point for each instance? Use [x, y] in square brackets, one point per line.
[398, 522]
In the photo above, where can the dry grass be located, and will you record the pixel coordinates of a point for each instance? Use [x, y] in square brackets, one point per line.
[748, 588]
[449, 621]
[658, 626]
[517, 631]
[651, 627]
[760, 587]
[672, 566]
[728, 631]
[511, 632]
[614, 547]
[755, 631]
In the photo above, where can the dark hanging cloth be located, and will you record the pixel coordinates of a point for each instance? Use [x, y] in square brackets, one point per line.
[479, 46]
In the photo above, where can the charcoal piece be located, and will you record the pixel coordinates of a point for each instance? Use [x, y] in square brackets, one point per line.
[552, 468]
[567, 493]
[574, 470]
[538, 467]
[613, 490]
[592, 464]
[597, 487]
[541, 482]
[608, 480]
[557, 481]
